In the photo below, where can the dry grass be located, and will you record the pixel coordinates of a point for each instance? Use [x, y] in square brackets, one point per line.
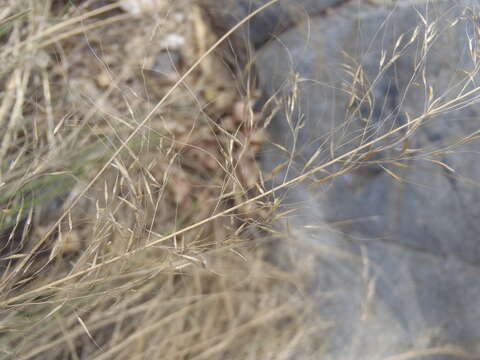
[133, 212]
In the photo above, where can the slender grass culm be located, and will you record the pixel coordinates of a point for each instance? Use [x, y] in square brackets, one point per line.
[239, 179]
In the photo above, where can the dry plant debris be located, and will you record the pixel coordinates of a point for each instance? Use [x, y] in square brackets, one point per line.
[77, 78]
[143, 257]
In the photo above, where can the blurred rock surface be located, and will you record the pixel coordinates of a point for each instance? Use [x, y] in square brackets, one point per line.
[400, 258]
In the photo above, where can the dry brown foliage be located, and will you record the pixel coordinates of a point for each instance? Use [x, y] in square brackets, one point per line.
[133, 212]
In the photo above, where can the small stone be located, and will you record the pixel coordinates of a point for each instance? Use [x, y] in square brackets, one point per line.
[172, 42]
[103, 79]
[42, 59]
[167, 64]
[138, 7]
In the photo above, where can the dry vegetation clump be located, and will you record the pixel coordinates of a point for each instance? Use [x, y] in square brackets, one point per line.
[133, 213]
[95, 258]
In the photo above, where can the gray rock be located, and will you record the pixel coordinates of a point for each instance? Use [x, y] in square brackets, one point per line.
[273, 20]
[401, 254]
[420, 235]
